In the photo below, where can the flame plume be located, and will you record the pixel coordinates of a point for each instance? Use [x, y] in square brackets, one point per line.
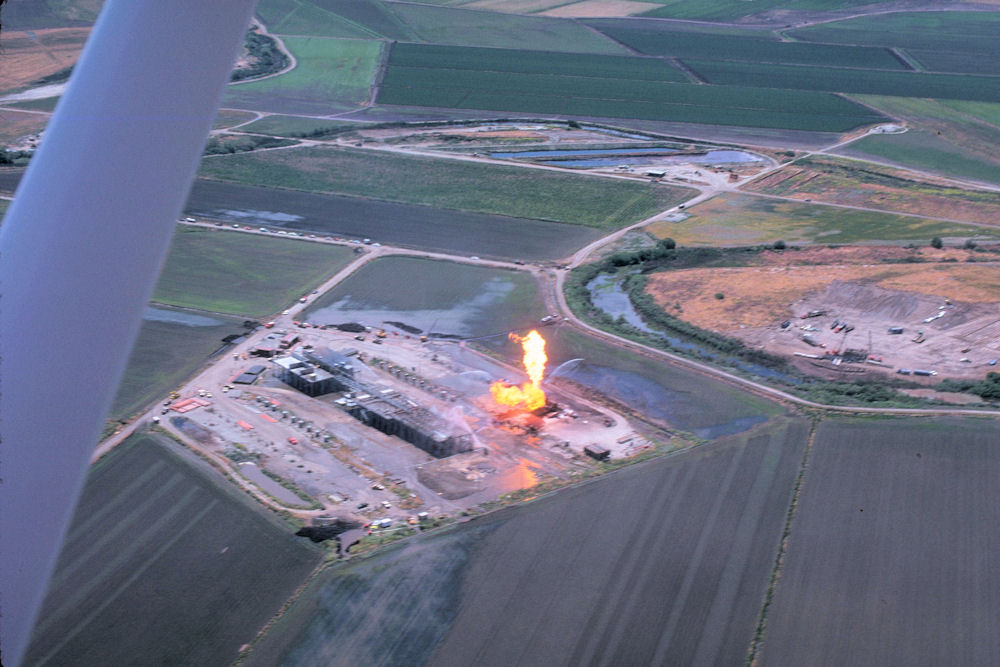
[529, 395]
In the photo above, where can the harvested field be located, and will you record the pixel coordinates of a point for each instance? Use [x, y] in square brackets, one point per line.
[164, 564]
[844, 182]
[423, 227]
[739, 219]
[889, 554]
[227, 118]
[872, 297]
[532, 584]
[27, 59]
[15, 126]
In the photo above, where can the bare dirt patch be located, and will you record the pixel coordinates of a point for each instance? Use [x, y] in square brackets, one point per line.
[956, 306]
[839, 182]
[19, 130]
[601, 9]
[27, 58]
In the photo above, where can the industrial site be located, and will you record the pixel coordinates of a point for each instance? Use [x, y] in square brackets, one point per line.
[379, 426]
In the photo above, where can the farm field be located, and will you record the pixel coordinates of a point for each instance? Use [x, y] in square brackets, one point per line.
[27, 61]
[169, 349]
[293, 126]
[729, 10]
[430, 76]
[301, 17]
[29, 15]
[242, 274]
[434, 296]
[17, 124]
[751, 46]
[847, 80]
[227, 118]
[332, 75]
[531, 585]
[739, 219]
[888, 548]
[458, 26]
[947, 41]
[849, 183]
[941, 139]
[451, 184]
[423, 227]
[141, 575]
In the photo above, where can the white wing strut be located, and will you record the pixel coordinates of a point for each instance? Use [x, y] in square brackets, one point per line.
[80, 250]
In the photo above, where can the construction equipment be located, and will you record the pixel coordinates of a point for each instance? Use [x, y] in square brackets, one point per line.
[919, 338]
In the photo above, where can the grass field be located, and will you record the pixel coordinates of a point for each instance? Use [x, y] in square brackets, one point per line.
[226, 118]
[413, 226]
[300, 17]
[760, 47]
[839, 181]
[331, 75]
[942, 41]
[677, 575]
[294, 126]
[165, 355]
[243, 274]
[435, 296]
[44, 104]
[421, 75]
[738, 219]
[889, 548]
[941, 138]
[164, 565]
[450, 184]
[845, 80]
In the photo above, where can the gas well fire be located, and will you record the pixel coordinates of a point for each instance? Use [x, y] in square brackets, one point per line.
[529, 395]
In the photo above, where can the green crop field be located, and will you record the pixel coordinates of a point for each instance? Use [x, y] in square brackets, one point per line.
[445, 25]
[226, 118]
[940, 41]
[941, 139]
[733, 219]
[166, 354]
[300, 17]
[164, 563]
[434, 296]
[452, 184]
[985, 111]
[243, 274]
[843, 80]
[331, 75]
[433, 56]
[728, 10]
[469, 78]
[294, 126]
[758, 48]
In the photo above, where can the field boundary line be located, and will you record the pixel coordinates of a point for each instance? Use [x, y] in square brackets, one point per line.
[753, 653]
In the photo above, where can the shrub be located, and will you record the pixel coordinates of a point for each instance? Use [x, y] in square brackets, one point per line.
[936, 242]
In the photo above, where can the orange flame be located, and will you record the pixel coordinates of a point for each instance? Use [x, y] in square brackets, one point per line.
[530, 394]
